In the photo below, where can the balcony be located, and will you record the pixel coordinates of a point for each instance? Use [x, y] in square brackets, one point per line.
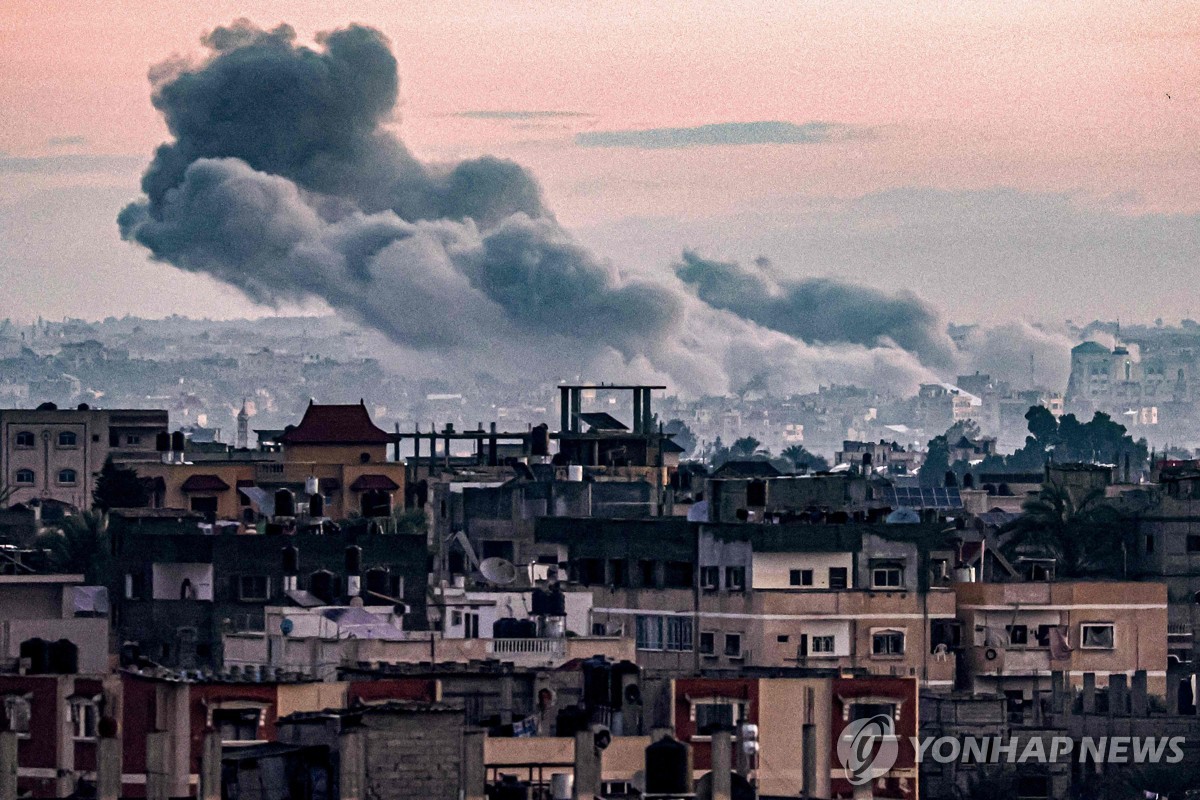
[549, 648]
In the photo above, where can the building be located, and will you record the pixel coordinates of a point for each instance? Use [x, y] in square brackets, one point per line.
[54, 454]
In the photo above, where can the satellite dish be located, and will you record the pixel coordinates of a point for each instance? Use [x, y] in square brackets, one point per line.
[903, 516]
[498, 570]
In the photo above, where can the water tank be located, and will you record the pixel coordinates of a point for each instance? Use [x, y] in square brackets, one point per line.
[554, 627]
[38, 652]
[539, 441]
[311, 485]
[64, 657]
[162, 442]
[525, 629]
[377, 582]
[504, 628]
[549, 602]
[316, 506]
[964, 574]
[509, 788]
[291, 560]
[177, 441]
[968, 481]
[285, 503]
[667, 768]
[575, 473]
[353, 560]
[320, 585]
[561, 785]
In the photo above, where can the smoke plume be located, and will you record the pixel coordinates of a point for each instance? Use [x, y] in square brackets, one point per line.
[283, 180]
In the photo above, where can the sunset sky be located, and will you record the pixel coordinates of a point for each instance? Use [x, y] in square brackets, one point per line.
[1038, 160]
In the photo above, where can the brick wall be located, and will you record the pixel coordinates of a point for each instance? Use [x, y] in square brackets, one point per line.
[414, 755]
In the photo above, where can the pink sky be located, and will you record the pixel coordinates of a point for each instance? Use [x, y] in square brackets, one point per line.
[1058, 97]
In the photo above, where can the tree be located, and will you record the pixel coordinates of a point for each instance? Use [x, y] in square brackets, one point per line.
[1086, 537]
[744, 447]
[118, 487]
[682, 435]
[937, 462]
[716, 453]
[79, 545]
[801, 458]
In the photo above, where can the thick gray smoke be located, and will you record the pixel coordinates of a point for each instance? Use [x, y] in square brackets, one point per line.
[282, 180]
[820, 310]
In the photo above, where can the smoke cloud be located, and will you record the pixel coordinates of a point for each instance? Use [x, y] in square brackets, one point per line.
[282, 179]
[820, 310]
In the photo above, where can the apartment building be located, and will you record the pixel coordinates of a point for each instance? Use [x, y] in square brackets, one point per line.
[52, 454]
[1016, 634]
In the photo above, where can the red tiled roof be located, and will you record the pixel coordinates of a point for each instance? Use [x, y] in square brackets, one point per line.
[370, 483]
[336, 424]
[204, 483]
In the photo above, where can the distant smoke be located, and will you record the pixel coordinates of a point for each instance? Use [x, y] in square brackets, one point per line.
[821, 310]
[282, 181]
[1016, 352]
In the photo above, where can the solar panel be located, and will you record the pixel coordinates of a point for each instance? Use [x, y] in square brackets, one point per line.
[923, 497]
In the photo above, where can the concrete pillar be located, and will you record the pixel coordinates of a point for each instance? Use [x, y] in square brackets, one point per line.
[722, 775]
[637, 411]
[587, 767]
[158, 778]
[8, 765]
[1058, 694]
[474, 779]
[1139, 702]
[210, 766]
[1117, 694]
[744, 764]
[1089, 693]
[65, 783]
[647, 413]
[108, 768]
[1172, 693]
[564, 408]
[352, 756]
[506, 700]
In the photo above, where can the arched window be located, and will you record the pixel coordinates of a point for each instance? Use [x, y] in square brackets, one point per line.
[66, 476]
[24, 476]
[26, 439]
[67, 439]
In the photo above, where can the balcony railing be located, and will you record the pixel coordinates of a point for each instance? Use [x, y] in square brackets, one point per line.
[537, 647]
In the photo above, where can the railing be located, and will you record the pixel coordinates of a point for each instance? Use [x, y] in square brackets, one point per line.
[538, 647]
[1179, 629]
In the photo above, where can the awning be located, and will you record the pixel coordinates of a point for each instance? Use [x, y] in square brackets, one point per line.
[204, 483]
[373, 483]
[260, 499]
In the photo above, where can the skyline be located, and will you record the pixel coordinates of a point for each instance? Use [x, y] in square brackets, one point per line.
[1061, 164]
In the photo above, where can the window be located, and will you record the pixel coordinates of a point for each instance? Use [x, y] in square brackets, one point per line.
[735, 579]
[24, 476]
[887, 575]
[253, 587]
[714, 716]
[204, 505]
[133, 439]
[17, 711]
[678, 575]
[869, 710]
[648, 570]
[710, 578]
[67, 439]
[838, 578]
[1149, 543]
[1097, 636]
[733, 645]
[1018, 635]
[708, 643]
[801, 577]
[679, 634]
[25, 440]
[887, 643]
[619, 568]
[649, 632]
[85, 713]
[236, 724]
[1042, 635]
[66, 476]
[1193, 543]
[821, 644]
[591, 571]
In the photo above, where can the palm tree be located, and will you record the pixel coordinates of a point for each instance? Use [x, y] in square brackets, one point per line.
[79, 545]
[1085, 537]
[745, 446]
[801, 458]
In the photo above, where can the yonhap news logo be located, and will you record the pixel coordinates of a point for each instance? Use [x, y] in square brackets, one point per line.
[868, 749]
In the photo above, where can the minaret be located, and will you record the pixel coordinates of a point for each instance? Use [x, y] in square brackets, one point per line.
[243, 422]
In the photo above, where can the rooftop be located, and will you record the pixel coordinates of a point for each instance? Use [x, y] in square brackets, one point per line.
[336, 424]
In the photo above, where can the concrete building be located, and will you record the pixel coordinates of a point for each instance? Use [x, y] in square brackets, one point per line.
[54, 454]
